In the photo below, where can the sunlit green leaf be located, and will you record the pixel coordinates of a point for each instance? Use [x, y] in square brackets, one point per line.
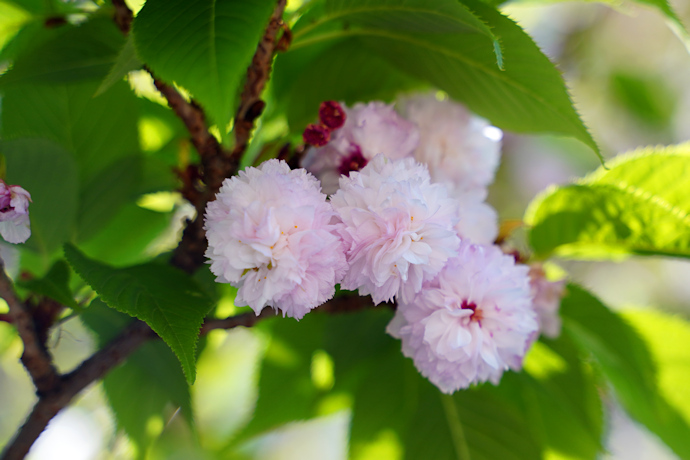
[667, 337]
[625, 361]
[561, 397]
[640, 205]
[165, 298]
[202, 45]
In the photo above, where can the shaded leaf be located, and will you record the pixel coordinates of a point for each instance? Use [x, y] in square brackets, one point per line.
[48, 172]
[118, 245]
[202, 45]
[624, 360]
[165, 298]
[528, 96]
[340, 77]
[55, 285]
[72, 53]
[639, 206]
[104, 195]
[125, 62]
[96, 130]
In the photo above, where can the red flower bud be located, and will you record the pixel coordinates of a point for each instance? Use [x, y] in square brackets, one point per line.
[332, 114]
[316, 135]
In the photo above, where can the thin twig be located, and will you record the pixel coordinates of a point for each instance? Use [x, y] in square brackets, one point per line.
[123, 16]
[35, 357]
[251, 105]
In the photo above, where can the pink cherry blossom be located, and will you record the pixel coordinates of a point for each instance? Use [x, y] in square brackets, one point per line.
[547, 301]
[471, 323]
[369, 129]
[398, 227]
[14, 213]
[457, 146]
[271, 234]
[478, 220]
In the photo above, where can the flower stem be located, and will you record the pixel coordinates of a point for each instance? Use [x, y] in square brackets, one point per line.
[455, 426]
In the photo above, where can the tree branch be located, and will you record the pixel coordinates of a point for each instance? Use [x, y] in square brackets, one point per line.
[123, 16]
[113, 354]
[251, 105]
[35, 357]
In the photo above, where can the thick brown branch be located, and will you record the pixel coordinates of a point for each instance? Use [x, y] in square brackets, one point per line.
[35, 357]
[113, 354]
[258, 72]
[216, 165]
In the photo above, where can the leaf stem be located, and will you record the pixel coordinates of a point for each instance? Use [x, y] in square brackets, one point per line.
[457, 434]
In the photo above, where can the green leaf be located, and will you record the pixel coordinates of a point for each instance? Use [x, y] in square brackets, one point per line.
[96, 130]
[104, 195]
[638, 206]
[143, 387]
[55, 285]
[560, 396]
[165, 298]
[49, 174]
[125, 62]
[128, 237]
[667, 337]
[414, 16]
[646, 97]
[528, 96]
[300, 88]
[389, 396]
[625, 361]
[12, 19]
[72, 53]
[202, 45]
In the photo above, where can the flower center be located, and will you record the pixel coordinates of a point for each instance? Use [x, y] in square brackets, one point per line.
[353, 162]
[476, 314]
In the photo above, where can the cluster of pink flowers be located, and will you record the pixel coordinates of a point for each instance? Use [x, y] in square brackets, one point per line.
[406, 221]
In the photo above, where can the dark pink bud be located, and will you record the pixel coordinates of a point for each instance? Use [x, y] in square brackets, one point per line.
[332, 114]
[316, 135]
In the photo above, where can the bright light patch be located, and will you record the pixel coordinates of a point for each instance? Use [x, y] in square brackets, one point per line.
[4, 308]
[333, 403]
[142, 83]
[153, 134]
[226, 305]
[154, 426]
[322, 370]
[493, 133]
[386, 446]
[159, 201]
[12, 19]
[71, 435]
[441, 95]
[541, 362]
